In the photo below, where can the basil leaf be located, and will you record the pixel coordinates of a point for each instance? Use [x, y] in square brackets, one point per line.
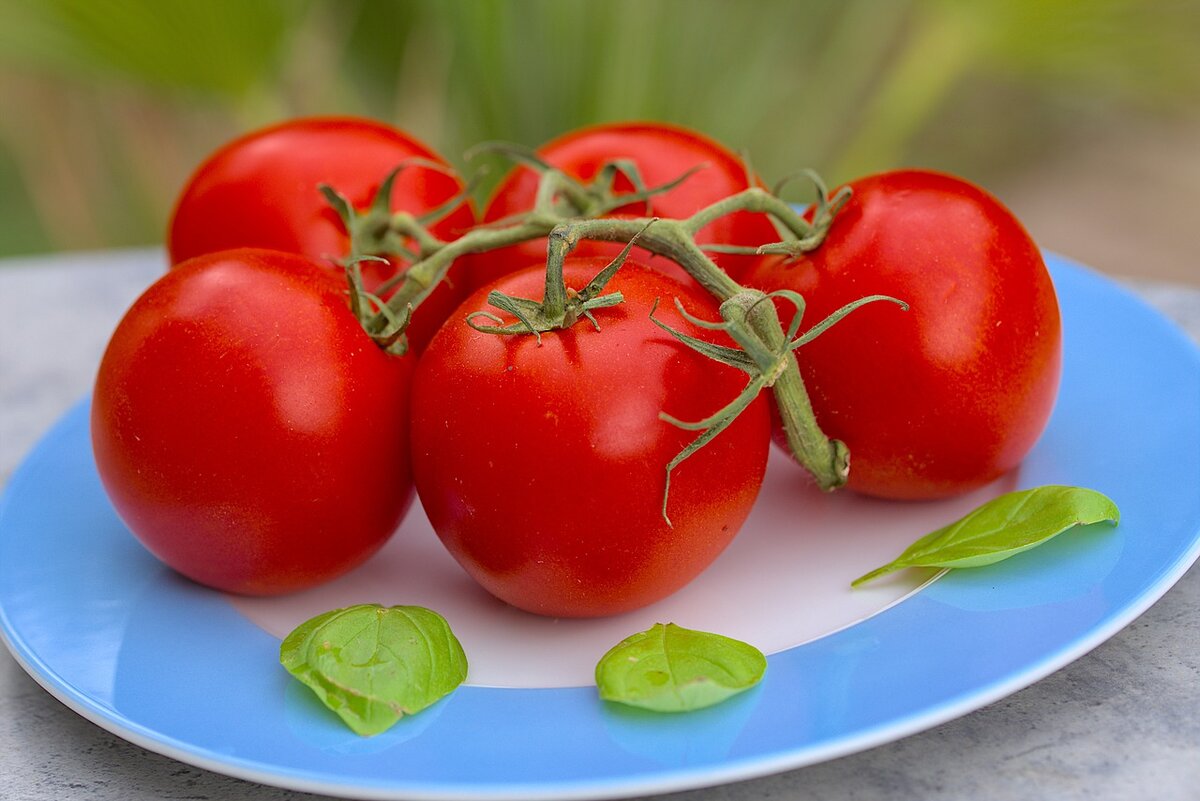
[372, 665]
[673, 669]
[1003, 527]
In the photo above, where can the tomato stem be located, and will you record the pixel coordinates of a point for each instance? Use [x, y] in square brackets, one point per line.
[562, 211]
[827, 460]
[759, 328]
[559, 307]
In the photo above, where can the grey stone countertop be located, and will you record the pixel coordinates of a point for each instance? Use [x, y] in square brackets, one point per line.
[1122, 722]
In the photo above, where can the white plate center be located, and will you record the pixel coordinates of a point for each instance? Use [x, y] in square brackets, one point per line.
[784, 580]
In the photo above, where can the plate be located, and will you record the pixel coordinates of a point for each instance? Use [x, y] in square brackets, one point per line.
[193, 674]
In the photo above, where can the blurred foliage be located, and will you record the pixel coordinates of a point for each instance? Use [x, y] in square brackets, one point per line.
[108, 104]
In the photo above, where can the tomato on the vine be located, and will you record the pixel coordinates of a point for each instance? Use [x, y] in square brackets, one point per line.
[662, 153]
[542, 467]
[951, 394]
[245, 427]
[261, 190]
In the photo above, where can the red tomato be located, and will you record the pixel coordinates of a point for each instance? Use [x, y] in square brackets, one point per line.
[247, 430]
[261, 191]
[662, 153]
[951, 394]
[542, 468]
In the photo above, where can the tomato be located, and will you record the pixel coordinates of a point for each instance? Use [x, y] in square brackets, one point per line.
[542, 467]
[662, 153]
[260, 190]
[247, 430]
[953, 393]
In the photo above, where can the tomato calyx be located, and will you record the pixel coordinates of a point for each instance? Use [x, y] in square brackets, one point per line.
[799, 233]
[379, 231]
[823, 210]
[765, 364]
[384, 326]
[563, 196]
[717, 422]
[560, 307]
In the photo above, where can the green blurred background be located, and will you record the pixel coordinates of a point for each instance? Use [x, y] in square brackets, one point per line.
[1083, 116]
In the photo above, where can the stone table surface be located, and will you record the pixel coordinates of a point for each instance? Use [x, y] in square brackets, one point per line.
[1121, 722]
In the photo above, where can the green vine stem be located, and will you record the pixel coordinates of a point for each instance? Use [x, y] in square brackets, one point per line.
[560, 213]
[826, 459]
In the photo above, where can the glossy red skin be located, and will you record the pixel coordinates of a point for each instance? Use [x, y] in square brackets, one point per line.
[953, 393]
[246, 429]
[260, 190]
[662, 153]
[542, 468]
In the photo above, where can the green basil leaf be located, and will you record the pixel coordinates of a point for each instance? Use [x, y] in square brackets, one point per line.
[673, 669]
[372, 665]
[1003, 527]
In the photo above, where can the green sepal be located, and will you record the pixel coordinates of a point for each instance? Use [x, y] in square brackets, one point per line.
[556, 310]
[734, 357]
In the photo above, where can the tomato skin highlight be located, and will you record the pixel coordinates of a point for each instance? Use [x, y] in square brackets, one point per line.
[542, 468]
[663, 153]
[247, 430]
[945, 397]
[260, 190]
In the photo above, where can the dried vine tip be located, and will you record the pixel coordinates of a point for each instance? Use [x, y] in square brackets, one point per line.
[516, 153]
[813, 177]
[608, 200]
[437, 214]
[752, 178]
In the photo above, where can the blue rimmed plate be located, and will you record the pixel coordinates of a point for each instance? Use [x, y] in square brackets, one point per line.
[194, 674]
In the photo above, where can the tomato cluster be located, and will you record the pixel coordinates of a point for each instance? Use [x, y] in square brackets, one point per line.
[257, 432]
